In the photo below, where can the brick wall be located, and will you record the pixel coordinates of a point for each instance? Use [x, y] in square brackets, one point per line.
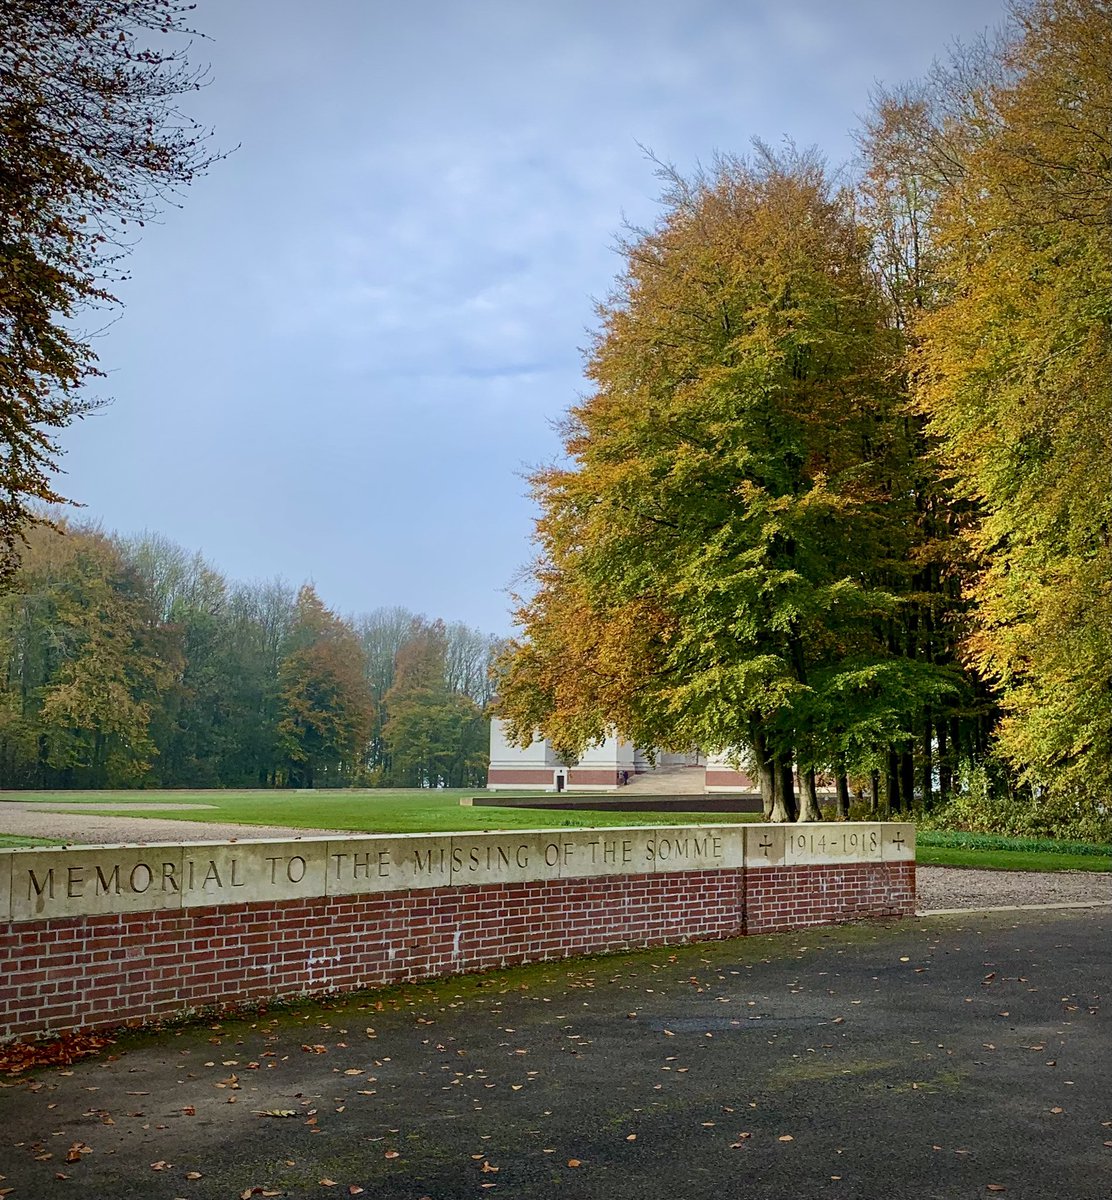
[778, 898]
[107, 970]
[84, 966]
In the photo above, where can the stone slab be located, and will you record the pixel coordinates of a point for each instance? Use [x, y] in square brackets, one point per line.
[514, 857]
[897, 841]
[94, 880]
[358, 865]
[693, 847]
[241, 872]
[828, 843]
[5, 886]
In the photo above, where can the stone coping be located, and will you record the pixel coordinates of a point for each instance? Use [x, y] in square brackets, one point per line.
[92, 880]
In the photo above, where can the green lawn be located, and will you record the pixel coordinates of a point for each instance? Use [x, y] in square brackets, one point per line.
[952, 848]
[1011, 860]
[9, 841]
[413, 811]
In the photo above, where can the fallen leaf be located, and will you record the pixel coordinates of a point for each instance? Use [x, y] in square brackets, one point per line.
[574, 1162]
[161, 1165]
[354, 1190]
[632, 1137]
[189, 1111]
[1056, 1110]
[393, 1154]
[995, 1187]
[275, 1112]
[488, 1169]
[193, 1175]
[785, 1137]
[326, 1182]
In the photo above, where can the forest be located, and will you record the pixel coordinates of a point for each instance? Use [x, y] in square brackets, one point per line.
[839, 499]
[130, 662]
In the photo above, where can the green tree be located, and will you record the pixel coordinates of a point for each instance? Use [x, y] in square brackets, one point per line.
[92, 143]
[707, 572]
[925, 561]
[325, 704]
[435, 734]
[106, 669]
[1014, 371]
[187, 600]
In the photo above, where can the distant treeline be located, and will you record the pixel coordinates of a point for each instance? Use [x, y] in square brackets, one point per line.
[131, 662]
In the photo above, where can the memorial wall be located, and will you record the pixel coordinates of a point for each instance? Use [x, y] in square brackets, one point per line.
[111, 934]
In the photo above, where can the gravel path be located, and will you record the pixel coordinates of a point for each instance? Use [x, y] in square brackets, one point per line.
[83, 824]
[966, 887]
[938, 887]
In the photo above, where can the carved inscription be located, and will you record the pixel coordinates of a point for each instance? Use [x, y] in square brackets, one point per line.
[94, 880]
[834, 842]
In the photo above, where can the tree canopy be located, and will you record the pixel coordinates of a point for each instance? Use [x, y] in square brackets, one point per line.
[838, 500]
[129, 662]
[1013, 369]
[92, 145]
[718, 565]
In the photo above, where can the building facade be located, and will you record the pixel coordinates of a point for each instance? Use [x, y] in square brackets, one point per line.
[613, 764]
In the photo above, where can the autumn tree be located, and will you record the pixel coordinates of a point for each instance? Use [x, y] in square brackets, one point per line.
[326, 706]
[86, 667]
[909, 154]
[92, 144]
[707, 568]
[436, 735]
[1014, 372]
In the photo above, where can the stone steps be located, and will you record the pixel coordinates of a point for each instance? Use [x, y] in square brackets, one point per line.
[667, 781]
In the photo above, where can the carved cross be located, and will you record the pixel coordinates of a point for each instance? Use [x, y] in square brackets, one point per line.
[898, 838]
[766, 845]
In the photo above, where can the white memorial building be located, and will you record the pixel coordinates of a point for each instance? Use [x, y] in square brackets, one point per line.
[612, 764]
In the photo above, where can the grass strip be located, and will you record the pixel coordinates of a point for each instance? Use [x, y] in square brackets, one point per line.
[960, 840]
[1010, 860]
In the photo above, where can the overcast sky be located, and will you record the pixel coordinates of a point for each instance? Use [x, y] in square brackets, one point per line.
[337, 359]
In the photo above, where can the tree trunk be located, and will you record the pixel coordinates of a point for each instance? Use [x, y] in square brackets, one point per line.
[787, 787]
[842, 809]
[907, 779]
[892, 782]
[928, 767]
[778, 812]
[874, 792]
[809, 807]
[945, 775]
[766, 776]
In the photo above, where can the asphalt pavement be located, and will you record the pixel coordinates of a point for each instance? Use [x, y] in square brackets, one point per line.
[945, 1056]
